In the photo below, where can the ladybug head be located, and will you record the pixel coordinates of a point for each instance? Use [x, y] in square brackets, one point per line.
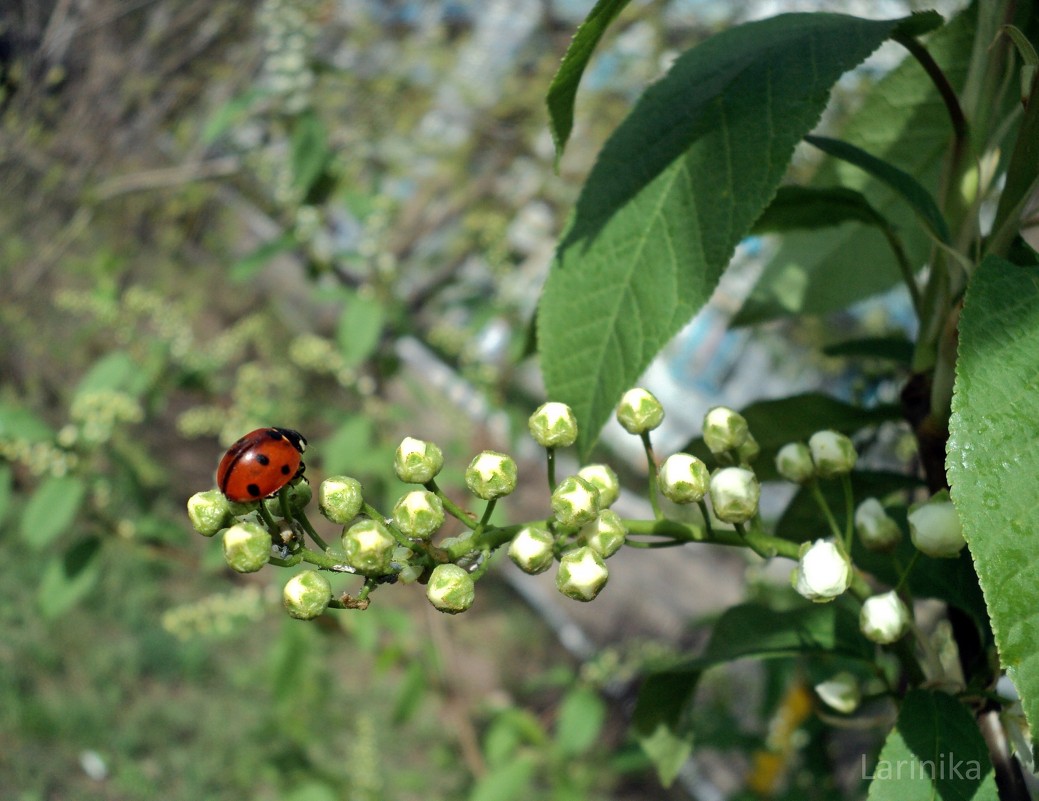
[298, 441]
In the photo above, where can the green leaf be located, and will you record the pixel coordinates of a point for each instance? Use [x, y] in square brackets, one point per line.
[6, 489]
[934, 752]
[412, 691]
[809, 207]
[18, 423]
[247, 266]
[774, 423]
[993, 459]
[69, 577]
[228, 115]
[674, 189]
[507, 782]
[313, 791]
[750, 631]
[563, 90]
[894, 349]
[903, 183]
[904, 122]
[310, 153]
[360, 326]
[346, 451]
[113, 371]
[51, 509]
[580, 720]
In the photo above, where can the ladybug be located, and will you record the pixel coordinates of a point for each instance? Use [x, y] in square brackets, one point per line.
[261, 463]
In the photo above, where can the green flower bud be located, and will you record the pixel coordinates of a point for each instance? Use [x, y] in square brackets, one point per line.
[683, 478]
[934, 527]
[603, 478]
[841, 692]
[605, 535]
[876, 529]
[340, 499]
[368, 546]
[416, 461]
[450, 589]
[491, 475]
[575, 502]
[724, 430]
[749, 450]
[734, 494]
[582, 574]
[209, 512]
[884, 618]
[639, 412]
[247, 547]
[419, 514]
[833, 453]
[532, 549]
[794, 463]
[822, 572]
[306, 595]
[300, 495]
[553, 425]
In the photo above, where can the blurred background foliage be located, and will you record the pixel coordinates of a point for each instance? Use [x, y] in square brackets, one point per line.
[320, 214]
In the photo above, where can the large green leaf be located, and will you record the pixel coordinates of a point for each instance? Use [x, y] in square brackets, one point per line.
[563, 90]
[675, 188]
[934, 752]
[904, 122]
[749, 631]
[68, 577]
[993, 459]
[51, 509]
[774, 423]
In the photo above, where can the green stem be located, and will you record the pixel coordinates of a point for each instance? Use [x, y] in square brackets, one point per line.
[268, 519]
[706, 516]
[450, 506]
[754, 545]
[485, 519]
[902, 259]
[323, 561]
[904, 574]
[849, 507]
[292, 561]
[398, 535]
[550, 456]
[687, 533]
[304, 521]
[651, 461]
[820, 500]
[941, 83]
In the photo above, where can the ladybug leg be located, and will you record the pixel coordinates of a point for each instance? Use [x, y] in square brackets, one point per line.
[299, 471]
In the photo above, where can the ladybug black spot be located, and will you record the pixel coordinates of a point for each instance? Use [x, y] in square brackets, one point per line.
[285, 469]
[263, 459]
[253, 490]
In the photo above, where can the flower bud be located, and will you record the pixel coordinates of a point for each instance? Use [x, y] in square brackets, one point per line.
[247, 547]
[822, 572]
[306, 595]
[840, 692]
[368, 547]
[639, 411]
[683, 478]
[582, 574]
[575, 502]
[417, 461]
[299, 495]
[749, 450]
[602, 477]
[724, 430]
[450, 589]
[419, 514]
[934, 527]
[884, 618]
[553, 425]
[833, 453]
[491, 475]
[734, 494]
[532, 549]
[340, 499]
[876, 529]
[209, 512]
[604, 535]
[794, 463]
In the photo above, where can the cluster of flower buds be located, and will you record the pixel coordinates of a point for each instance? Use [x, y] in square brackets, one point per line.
[828, 454]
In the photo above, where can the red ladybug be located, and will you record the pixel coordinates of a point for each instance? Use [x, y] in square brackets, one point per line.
[261, 463]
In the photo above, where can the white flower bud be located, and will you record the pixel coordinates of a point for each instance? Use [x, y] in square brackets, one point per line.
[840, 692]
[209, 512]
[553, 425]
[822, 572]
[603, 478]
[833, 453]
[884, 618]
[582, 574]
[683, 478]
[605, 535]
[340, 498]
[934, 527]
[734, 494]
[306, 595]
[639, 411]
[491, 475]
[575, 502]
[419, 514]
[450, 589]
[794, 463]
[877, 530]
[247, 547]
[724, 430]
[417, 461]
[532, 549]
[368, 546]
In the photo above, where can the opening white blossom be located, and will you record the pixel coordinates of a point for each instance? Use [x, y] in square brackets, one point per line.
[822, 572]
